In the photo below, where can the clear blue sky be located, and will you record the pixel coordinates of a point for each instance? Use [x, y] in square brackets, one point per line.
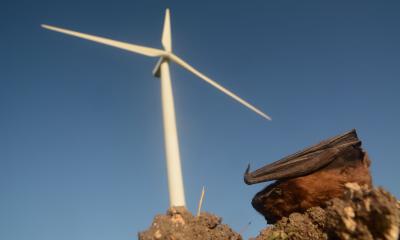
[81, 144]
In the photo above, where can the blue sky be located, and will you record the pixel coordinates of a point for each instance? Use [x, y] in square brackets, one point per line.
[81, 144]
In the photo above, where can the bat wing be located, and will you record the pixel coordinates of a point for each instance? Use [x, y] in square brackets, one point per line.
[305, 161]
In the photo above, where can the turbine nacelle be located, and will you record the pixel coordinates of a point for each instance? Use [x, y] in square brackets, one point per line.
[156, 70]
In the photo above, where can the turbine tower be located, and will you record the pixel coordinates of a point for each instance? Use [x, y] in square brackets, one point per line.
[174, 170]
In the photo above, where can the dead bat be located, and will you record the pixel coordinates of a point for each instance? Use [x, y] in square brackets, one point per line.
[310, 177]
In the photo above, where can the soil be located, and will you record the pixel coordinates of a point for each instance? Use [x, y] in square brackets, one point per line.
[180, 224]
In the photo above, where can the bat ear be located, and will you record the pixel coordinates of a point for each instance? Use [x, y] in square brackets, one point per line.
[303, 162]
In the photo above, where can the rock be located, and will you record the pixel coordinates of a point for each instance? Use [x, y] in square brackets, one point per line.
[180, 224]
[362, 213]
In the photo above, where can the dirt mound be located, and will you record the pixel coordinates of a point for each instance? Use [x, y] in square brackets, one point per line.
[363, 213]
[180, 224]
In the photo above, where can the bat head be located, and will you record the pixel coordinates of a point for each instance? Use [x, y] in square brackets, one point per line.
[276, 200]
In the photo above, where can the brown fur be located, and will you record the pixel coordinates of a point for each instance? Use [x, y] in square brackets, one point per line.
[300, 193]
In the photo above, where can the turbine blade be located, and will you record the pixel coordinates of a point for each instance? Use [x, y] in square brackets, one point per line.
[166, 36]
[185, 65]
[151, 52]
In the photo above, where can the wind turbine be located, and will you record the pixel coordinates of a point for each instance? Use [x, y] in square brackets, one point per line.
[174, 172]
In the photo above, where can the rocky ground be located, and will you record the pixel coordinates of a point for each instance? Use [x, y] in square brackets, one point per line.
[362, 214]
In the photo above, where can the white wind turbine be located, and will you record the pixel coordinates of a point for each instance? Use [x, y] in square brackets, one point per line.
[175, 182]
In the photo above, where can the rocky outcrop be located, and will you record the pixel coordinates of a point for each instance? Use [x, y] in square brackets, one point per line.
[363, 213]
